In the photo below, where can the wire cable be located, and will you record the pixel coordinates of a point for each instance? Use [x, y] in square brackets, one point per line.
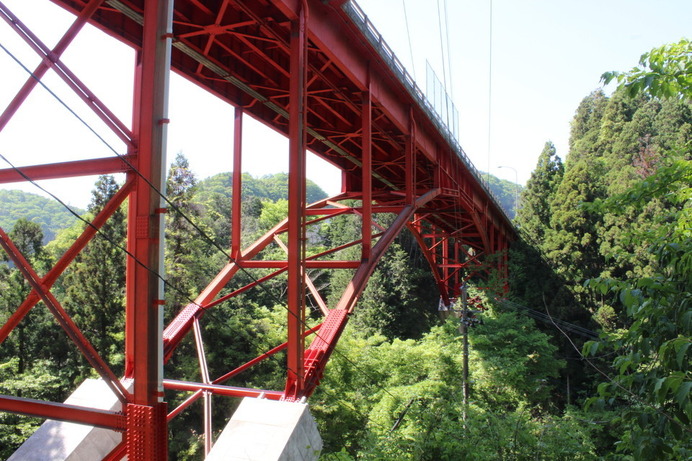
[566, 326]
[490, 87]
[115, 244]
[444, 62]
[410, 47]
[449, 52]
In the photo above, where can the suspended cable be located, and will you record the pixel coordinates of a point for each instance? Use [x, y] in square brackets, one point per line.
[98, 231]
[585, 332]
[172, 205]
[410, 47]
[116, 245]
[444, 65]
[449, 53]
[490, 88]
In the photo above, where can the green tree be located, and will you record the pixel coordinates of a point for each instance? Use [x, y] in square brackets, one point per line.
[401, 399]
[665, 72]
[186, 251]
[51, 215]
[506, 192]
[393, 303]
[27, 237]
[652, 382]
[533, 218]
[94, 285]
[25, 370]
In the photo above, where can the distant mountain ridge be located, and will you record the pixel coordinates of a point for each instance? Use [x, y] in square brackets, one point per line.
[506, 192]
[51, 215]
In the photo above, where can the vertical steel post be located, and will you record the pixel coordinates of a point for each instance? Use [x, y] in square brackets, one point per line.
[366, 170]
[411, 161]
[296, 206]
[204, 372]
[236, 208]
[146, 433]
[444, 262]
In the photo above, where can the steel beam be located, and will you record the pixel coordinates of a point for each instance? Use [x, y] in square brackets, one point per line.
[147, 429]
[236, 205]
[296, 204]
[63, 318]
[45, 65]
[63, 412]
[66, 169]
[366, 172]
[50, 278]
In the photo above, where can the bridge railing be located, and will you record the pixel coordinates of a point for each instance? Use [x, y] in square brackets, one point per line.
[361, 20]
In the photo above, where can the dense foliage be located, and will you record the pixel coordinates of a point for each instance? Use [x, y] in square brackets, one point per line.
[607, 246]
[617, 231]
[505, 192]
[49, 214]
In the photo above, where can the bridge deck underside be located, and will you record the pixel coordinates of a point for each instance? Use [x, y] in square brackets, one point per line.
[240, 51]
[352, 107]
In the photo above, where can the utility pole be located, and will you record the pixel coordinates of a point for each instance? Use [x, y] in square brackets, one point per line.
[464, 330]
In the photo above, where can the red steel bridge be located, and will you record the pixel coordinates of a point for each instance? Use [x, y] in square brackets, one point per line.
[316, 71]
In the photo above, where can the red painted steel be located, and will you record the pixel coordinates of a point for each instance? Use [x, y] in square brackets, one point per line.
[295, 380]
[316, 71]
[147, 434]
[69, 255]
[67, 169]
[236, 205]
[63, 412]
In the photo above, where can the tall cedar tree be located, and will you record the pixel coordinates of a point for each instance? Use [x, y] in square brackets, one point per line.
[184, 254]
[533, 218]
[95, 282]
[652, 384]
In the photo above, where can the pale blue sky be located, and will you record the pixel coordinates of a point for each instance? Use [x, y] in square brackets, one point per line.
[546, 56]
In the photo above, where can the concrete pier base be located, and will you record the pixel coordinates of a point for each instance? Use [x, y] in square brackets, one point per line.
[268, 430]
[61, 441]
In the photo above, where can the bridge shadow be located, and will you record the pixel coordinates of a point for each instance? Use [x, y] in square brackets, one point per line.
[537, 292]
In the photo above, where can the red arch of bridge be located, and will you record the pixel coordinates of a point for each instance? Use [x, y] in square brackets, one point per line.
[314, 70]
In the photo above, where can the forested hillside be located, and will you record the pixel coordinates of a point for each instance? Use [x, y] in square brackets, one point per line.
[505, 192]
[608, 240]
[49, 214]
[606, 249]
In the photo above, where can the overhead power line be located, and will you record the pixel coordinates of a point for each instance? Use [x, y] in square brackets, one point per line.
[543, 317]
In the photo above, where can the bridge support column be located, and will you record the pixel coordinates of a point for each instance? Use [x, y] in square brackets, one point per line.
[296, 206]
[236, 201]
[366, 182]
[146, 432]
[268, 430]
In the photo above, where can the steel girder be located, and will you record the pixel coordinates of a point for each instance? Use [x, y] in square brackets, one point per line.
[305, 68]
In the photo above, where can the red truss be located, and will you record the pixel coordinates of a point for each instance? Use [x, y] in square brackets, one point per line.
[314, 70]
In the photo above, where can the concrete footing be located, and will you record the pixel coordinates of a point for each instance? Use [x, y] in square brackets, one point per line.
[268, 430]
[62, 441]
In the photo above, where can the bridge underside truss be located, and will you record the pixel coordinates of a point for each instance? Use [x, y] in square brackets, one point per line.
[314, 70]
